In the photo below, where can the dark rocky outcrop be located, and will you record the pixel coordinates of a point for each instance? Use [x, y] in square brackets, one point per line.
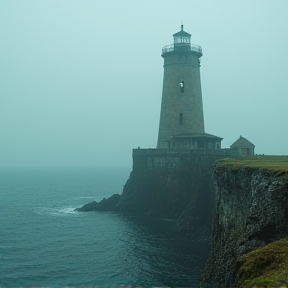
[174, 186]
[109, 204]
[251, 211]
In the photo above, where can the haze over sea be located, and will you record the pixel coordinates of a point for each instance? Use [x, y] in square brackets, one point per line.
[44, 242]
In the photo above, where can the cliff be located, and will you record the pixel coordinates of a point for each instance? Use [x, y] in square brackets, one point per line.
[246, 197]
[169, 184]
[251, 211]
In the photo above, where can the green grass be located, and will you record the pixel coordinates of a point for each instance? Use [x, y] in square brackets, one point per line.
[277, 164]
[265, 267]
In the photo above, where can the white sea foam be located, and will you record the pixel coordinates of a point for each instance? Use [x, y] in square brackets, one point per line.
[68, 210]
[63, 211]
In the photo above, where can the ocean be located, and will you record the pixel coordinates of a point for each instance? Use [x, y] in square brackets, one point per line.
[45, 243]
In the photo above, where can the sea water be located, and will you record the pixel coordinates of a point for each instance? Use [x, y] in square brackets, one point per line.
[45, 242]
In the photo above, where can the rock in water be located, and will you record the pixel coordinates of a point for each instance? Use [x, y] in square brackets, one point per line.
[109, 204]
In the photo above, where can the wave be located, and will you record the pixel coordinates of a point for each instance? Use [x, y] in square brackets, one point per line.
[61, 211]
[64, 207]
[68, 210]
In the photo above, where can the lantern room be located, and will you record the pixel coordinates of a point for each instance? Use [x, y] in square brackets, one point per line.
[182, 38]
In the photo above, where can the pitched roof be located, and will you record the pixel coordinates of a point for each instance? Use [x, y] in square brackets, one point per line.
[242, 143]
[182, 33]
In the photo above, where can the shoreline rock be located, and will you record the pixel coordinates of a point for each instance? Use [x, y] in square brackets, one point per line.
[109, 204]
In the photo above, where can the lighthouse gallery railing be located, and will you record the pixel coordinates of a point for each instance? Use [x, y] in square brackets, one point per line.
[170, 48]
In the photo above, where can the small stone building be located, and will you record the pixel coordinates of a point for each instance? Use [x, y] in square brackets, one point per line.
[243, 147]
[195, 141]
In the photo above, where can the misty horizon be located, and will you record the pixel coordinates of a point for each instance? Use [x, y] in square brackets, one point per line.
[81, 81]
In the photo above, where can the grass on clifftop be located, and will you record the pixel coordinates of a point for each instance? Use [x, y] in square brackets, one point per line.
[265, 267]
[278, 164]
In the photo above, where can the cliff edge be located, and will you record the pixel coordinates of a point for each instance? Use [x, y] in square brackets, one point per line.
[251, 211]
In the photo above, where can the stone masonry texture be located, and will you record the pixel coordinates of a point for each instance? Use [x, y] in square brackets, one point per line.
[180, 66]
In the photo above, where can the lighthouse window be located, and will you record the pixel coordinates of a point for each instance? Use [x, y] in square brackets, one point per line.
[181, 118]
[181, 87]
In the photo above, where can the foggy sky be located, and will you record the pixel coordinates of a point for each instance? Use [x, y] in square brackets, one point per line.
[81, 81]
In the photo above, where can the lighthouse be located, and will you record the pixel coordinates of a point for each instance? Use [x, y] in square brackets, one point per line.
[181, 118]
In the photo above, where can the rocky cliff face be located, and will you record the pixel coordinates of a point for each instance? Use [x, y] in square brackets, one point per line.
[251, 211]
[173, 186]
[164, 186]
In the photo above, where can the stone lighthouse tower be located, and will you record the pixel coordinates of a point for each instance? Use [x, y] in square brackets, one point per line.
[181, 118]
